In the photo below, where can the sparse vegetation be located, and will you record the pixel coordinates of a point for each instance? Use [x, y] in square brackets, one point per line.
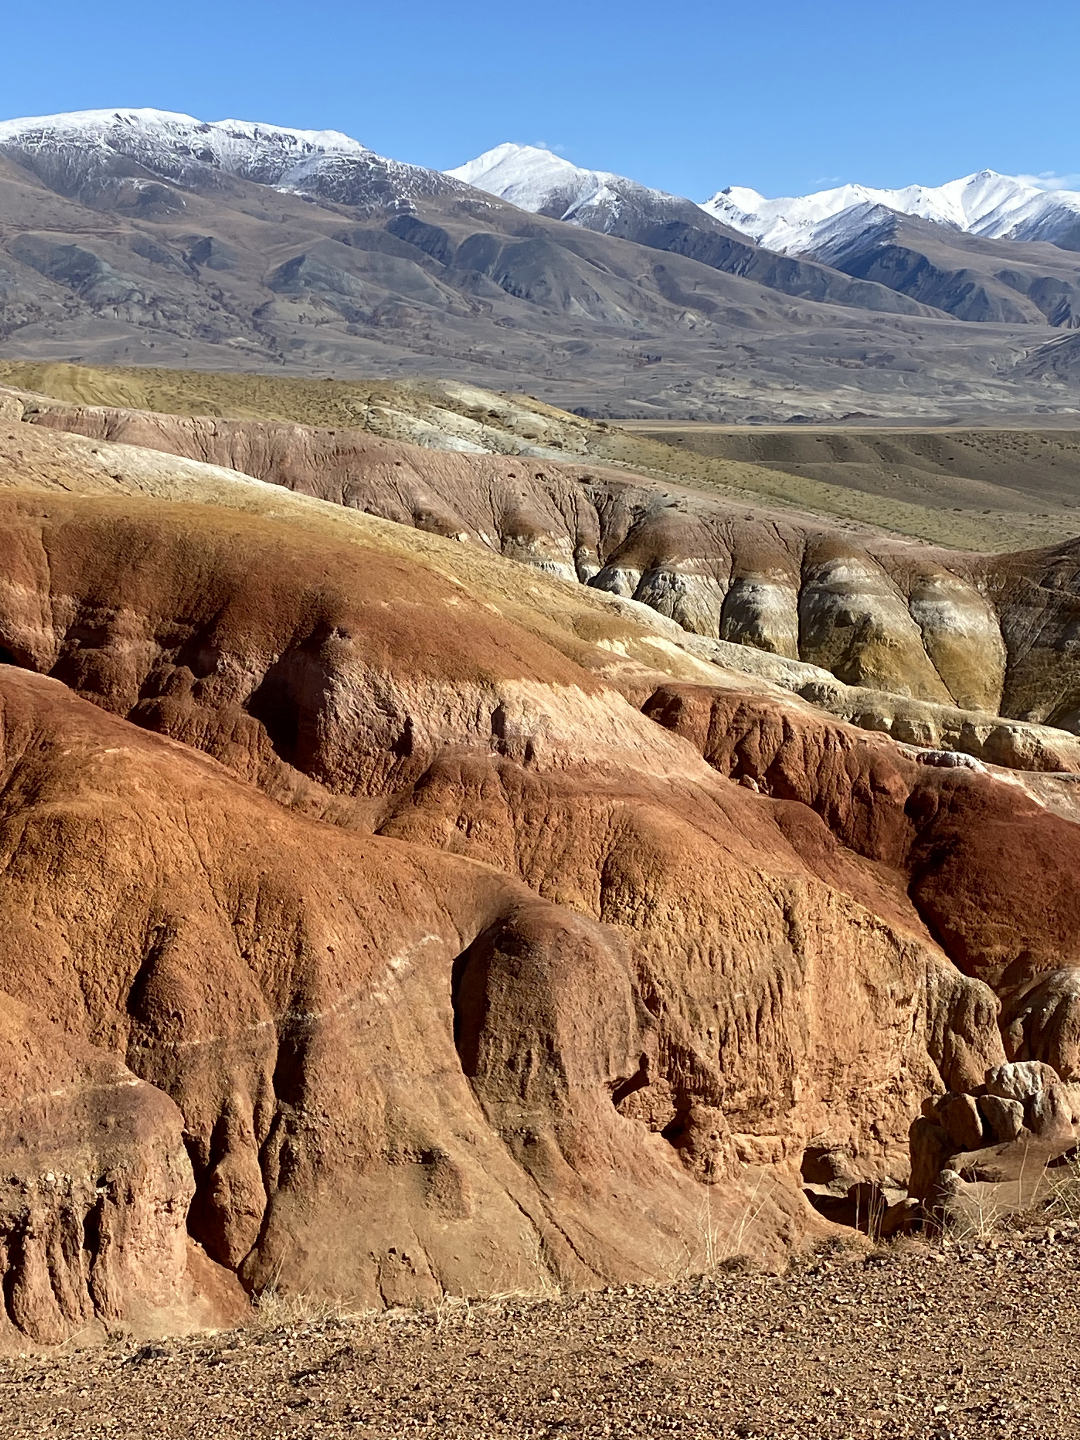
[954, 513]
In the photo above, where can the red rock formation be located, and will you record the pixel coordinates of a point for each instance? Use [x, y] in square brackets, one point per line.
[992, 634]
[496, 976]
[363, 877]
[395, 1069]
[982, 865]
[95, 1191]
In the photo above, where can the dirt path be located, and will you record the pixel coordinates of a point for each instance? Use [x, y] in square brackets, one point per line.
[959, 1343]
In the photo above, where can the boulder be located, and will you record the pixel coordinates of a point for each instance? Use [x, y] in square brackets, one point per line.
[1021, 1080]
[969, 1184]
[1004, 1119]
[971, 1208]
[1051, 1108]
[959, 1115]
[1052, 1112]
[1015, 1160]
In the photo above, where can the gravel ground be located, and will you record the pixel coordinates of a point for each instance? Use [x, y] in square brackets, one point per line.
[954, 1342]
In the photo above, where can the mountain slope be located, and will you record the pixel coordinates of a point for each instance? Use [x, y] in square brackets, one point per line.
[967, 276]
[852, 230]
[544, 183]
[141, 238]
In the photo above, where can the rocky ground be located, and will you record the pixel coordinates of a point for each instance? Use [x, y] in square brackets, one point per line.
[964, 1341]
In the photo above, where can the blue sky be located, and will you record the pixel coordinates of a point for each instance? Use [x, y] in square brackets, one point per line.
[689, 97]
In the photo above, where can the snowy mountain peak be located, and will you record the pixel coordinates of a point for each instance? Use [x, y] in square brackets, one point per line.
[547, 184]
[984, 203]
[105, 127]
[744, 198]
[173, 144]
[511, 163]
[96, 156]
[541, 181]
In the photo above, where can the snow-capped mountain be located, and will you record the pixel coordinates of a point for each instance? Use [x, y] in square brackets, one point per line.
[546, 184]
[236, 244]
[873, 249]
[171, 144]
[365, 180]
[93, 155]
[537, 180]
[987, 204]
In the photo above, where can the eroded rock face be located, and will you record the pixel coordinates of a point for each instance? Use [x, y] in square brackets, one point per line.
[297, 991]
[961, 634]
[95, 1193]
[454, 967]
[951, 842]
[374, 1105]
[855, 622]
[990, 635]
[1042, 1019]
[439, 1008]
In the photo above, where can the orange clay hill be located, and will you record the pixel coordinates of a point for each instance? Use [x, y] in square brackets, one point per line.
[388, 912]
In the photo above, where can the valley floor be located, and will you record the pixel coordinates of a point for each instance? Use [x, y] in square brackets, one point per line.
[970, 1341]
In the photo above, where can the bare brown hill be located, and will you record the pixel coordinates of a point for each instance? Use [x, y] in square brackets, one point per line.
[980, 490]
[215, 939]
[480, 1028]
[987, 634]
[969, 276]
[385, 917]
[1027, 469]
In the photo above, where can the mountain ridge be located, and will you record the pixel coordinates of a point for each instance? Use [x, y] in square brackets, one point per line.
[545, 184]
[847, 229]
[985, 203]
[144, 237]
